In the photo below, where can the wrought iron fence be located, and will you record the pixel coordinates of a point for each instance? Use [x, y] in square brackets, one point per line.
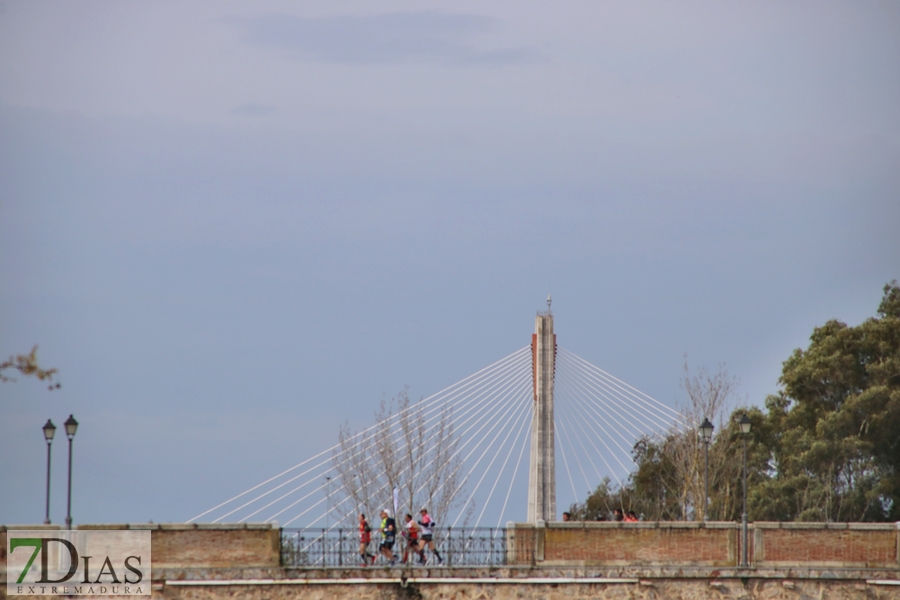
[457, 547]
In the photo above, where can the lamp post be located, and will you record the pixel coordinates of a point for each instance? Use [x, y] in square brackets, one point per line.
[71, 427]
[706, 430]
[49, 431]
[745, 429]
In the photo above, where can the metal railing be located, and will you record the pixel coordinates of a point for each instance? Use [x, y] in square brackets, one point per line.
[457, 546]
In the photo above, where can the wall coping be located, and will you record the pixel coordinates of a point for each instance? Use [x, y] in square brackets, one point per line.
[806, 526]
[623, 525]
[826, 526]
[552, 524]
[147, 526]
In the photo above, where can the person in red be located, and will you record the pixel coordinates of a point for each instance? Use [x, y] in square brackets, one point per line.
[365, 537]
[411, 533]
[630, 517]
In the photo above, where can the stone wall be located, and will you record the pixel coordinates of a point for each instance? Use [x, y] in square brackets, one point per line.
[674, 589]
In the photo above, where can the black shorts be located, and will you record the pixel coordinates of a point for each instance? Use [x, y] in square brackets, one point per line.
[427, 537]
[387, 544]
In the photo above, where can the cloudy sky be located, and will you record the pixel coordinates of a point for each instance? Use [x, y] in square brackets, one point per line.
[234, 226]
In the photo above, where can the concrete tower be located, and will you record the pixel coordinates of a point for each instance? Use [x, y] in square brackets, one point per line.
[542, 474]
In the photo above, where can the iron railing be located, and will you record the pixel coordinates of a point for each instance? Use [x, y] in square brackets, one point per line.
[457, 546]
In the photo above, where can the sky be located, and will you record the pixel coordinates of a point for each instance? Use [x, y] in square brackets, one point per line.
[234, 226]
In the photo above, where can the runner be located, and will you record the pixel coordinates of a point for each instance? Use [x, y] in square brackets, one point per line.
[388, 533]
[411, 533]
[365, 536]
[427, 526]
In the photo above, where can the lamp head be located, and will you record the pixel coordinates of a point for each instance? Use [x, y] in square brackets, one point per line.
[49, 431]
[706, 430]
[71, 426]
[745, 424]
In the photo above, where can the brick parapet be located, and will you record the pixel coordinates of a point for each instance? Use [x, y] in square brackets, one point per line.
[712, 544]
[843, 545]
[194, 546]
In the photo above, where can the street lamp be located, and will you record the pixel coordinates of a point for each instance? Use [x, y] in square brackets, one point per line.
[745, 429]
[706, 431]
[49, 431]
[71, 427]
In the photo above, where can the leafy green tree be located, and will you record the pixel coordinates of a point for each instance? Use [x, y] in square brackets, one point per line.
[832, 434]
[726, 496]
[826, 447]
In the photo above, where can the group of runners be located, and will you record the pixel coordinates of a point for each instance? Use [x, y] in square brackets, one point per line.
[418, 536]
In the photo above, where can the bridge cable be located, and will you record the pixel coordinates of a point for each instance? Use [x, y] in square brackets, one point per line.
[366, 435]
[562, 451]
[300, 464]
[602, 393]
[578, 404]
[482, 404]
[637, 394]
[512, 480]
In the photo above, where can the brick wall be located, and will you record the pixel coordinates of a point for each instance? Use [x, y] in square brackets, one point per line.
[714, 544]
[827, 544]
[673, 544]
[216, 546]
[642, 546]
[199, 546]
[620, 544]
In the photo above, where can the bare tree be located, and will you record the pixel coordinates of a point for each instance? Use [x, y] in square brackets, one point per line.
[709, 395]
[356, 465]
[403, 452]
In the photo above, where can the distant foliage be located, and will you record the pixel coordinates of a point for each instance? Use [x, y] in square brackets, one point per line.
[826, 448]
[831, 438]
[27, 365]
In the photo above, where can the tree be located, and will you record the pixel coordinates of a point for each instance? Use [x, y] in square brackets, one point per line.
[709, 396]
[826, 447]
[669, 481]
[403, 452]
[831, 433]
[27, 365]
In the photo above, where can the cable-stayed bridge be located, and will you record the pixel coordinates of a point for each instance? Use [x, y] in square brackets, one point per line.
[502, 444]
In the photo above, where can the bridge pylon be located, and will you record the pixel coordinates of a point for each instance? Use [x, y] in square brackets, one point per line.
[542, 472]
